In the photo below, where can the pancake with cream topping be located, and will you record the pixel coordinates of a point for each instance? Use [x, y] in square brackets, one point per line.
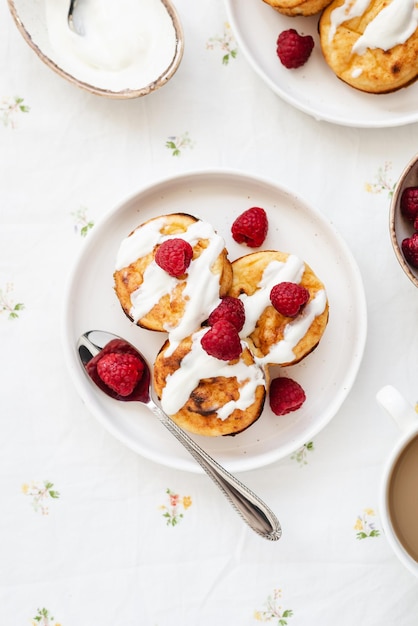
[205, 395]
[154, 299]
[277, 339]
[372, 45]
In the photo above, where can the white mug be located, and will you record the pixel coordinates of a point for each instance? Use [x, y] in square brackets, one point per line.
[399, 490]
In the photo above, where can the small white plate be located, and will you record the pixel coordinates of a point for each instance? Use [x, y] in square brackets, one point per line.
[313, 88]
[219, 197]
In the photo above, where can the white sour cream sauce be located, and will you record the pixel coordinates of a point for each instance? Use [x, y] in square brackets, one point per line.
[392, 26]
[126, 43]
[196, 365]
[276, 272]
[201, 293]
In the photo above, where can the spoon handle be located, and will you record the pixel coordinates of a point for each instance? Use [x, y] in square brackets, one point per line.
[247, 504]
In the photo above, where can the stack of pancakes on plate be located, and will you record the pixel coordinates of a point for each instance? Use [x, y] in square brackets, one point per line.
[201, 393]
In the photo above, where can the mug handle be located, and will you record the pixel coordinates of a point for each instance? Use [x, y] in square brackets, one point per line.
[398, 408]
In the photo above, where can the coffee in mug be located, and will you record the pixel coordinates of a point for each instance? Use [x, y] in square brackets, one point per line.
[402, 498]
[399, 490]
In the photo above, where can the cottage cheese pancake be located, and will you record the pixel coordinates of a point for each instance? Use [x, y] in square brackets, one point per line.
[154, 299]
[205, 395]
[371, 45]
[276, 338]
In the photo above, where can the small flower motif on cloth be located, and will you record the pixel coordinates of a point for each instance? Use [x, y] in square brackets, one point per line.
[226, 43]
[10, 108]
[300, 456]
[383, 182]
[274, 610]
[44, 618]
[178, 143]
[365, 525]
[40, 493]
[82, 224]
[173, 510]
[7, 304]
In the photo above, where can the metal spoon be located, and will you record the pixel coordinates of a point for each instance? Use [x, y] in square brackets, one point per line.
[74, 23]
[249, 506]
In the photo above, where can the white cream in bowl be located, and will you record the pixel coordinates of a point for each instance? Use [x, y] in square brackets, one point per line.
[128, 47]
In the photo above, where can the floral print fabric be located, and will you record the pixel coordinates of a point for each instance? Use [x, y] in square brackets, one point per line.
[90, 532]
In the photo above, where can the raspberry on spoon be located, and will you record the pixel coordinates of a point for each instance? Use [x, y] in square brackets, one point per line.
[120, 372]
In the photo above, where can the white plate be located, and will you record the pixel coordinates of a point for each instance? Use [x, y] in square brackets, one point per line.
[219, 197]
[313, 88]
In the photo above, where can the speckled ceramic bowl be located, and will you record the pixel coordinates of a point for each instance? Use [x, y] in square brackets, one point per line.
[400, 228]
[31, 20]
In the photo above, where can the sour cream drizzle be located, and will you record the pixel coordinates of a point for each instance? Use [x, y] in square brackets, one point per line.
[276, 272]
[197, 365]
[201, 293]
[393, 25]
[345, 12]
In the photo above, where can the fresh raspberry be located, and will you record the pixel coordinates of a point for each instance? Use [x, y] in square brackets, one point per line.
[230, 309]
[293, 49]
[174, 256]
[288, 298]
[250, 227]
[285, 395]
[222, 341]
[120, 371]
[409, 203]
[410, 249]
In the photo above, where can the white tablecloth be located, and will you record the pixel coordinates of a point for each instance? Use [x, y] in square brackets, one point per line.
[91, 533]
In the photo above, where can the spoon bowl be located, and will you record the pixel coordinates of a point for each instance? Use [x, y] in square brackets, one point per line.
[95, 344]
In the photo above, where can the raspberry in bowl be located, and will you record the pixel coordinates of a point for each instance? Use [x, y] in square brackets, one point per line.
[403, 222]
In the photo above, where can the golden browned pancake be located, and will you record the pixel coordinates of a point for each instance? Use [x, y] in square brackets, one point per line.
[361, 43]
[207, 396]
[298, 7]
[275, 338]
[157, 301]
